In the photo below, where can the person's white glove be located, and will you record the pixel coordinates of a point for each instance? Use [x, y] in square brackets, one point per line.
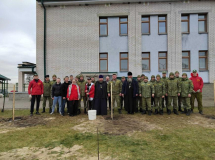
[194, 91]
[198, 90]
[30, 96]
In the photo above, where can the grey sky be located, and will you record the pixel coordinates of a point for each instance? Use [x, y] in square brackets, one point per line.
[17, 35]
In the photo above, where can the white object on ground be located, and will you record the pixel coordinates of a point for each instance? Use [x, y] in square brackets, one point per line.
[92, 114]
[1, 95]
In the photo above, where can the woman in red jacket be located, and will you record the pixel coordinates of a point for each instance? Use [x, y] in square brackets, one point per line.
[73, 95]
[89, 90]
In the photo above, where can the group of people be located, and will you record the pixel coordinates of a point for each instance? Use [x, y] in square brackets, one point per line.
[139, 95]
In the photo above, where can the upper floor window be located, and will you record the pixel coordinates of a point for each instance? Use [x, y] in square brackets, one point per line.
[202, 18]
[162, 25]
[103, 26]
[123, 26]
[145, 25]
[185, 24]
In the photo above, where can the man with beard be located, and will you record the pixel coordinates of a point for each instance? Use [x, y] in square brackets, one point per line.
[130, 92]
[100, 98]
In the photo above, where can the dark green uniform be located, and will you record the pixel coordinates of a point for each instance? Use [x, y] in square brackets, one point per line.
[164, 79]
[138, 98]
[116, 90]
[47, 94]
[82, 84]
[160, 91]
[179, 97]
[152, 98]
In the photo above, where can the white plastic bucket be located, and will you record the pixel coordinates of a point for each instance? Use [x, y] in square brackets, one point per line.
[92, 114]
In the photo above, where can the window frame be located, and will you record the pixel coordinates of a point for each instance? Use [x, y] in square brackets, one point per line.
[147, 59]
[206, 30]
[103, 59]
[206, 60]
[162, 21]
[102, 23]
[120, 26]
[123, 59]
[146, 22]
[188, 20]
[163, 58]
[186, 57]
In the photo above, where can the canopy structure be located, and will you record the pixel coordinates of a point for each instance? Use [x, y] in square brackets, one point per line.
[3, 81]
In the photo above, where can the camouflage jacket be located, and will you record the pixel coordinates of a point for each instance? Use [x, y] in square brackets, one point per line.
[186, 87]
[82, 84]
[173, 87]
[146, 89]
[116, 87]
[160, 89]
[47, 88]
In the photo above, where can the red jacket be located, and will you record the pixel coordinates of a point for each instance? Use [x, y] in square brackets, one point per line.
[197, 82]
[74, 92]
[91, 92]
[35, 88]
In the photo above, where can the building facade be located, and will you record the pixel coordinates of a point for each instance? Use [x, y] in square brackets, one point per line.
[121, 36]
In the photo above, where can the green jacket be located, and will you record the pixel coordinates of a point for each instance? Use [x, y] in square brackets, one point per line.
[173, 87]
[47, 88]
[116, 87]
[139, 84]
[160, 89]
[82, 84]
[178, 78]
[153, 82]
[146, 89]
[52, 83]
[186, 87]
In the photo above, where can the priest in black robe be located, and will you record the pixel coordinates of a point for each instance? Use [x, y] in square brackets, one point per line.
[100, 98]
[130, 92]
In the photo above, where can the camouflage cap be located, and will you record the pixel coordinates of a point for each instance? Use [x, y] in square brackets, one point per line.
[164, 72]
[77, 76]
[194, 71]
[158, 75]
[92, 77]
[138, 76]
[176, 72]
[54, 75]
[146, 77]
[143, 75]
[122, 77]
[81, 76]
[171, 74]
[184, 74]
[152, 76]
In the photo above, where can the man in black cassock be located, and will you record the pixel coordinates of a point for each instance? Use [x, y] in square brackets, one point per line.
[130, 92]
[100, 98]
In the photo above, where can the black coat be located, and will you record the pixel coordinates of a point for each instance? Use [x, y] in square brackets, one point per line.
[100, 90]
[135, 87]
[64, 88]
[56, 90]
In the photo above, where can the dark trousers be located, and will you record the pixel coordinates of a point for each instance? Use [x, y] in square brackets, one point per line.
[152, 101]
[37, 98]
[121, 100]
[90, 104]
[109, 101]
[64, 102]
[73, 107]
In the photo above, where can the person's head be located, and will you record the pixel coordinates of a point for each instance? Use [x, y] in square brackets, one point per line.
[89, 80]
[76, 78]
[101, 78]
[73, 81]
[177, 73]
[123, 79]
[158, 77]
[184, 75]
[47, 78]
[71, 77]
[107, 78]
[66, 79]
[129, 74]
[36, 76]
[164, 74]
[58, 80]
[81, 77]
[195, 73]
[171, 75]
[145, 79]
[138, 78]
[152, 78]
[54, 77]
[114, 76]
[142, 76]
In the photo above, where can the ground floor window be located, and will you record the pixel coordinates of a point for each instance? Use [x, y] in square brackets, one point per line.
[123, 61]
[203, 60]
[146, 61]
[103, 62]
[186, 60]
[162, 61]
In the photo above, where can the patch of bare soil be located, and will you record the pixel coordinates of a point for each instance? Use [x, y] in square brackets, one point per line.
[120, 125]
[206, 121]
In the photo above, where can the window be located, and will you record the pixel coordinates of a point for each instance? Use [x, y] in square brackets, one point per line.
[186, 60]
[162, 61]
[103, 62]
[146, 61]
[185, 24]
[123, 61]
[103, 26]
[145, 25]
[203, 60]
[162, 26]
[202, 18]
[123, 26]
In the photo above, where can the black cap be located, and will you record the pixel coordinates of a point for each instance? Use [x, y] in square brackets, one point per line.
[129, 73]
[88, 78]
[35, 74]
[46, 76]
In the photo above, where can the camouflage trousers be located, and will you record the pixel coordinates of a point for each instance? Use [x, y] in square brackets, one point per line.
[197, 96]
[174, 99]
[146, 102]
[158, 103]
[45, 98]
[139, 102]
[186, 102]
[85, 102]
[116, 98]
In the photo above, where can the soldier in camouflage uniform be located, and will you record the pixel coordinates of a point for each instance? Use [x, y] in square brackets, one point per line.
[160, 91]
[116, 91]
[173, 90]
[142, 77]
[121, 97]
[139, 99]
[47, 93]
[54, 78]
[164, 79]
[81, 83]
[153, 82]
[179, 97]
[77, 78]
[146, 90]
[186, 91]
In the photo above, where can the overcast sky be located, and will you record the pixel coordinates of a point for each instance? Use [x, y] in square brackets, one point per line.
[17, 35]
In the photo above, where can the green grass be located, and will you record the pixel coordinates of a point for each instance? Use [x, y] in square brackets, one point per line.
[171, 142]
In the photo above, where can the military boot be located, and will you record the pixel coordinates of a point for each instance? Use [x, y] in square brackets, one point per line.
[57, 109]
[149, 112]
[200, 112]
[188, 112]
[161, 112]
[79, 111]
[119, 110]
[175, 111]
[141, 110]
[168, 111]
[156, 111]
[50, 110]
[179, 108]
[43, 110]
[191, 110]
[85, 111]
[185, 111]
[144, 112]
[136, 110]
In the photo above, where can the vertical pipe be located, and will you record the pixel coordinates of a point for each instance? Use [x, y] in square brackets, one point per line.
[44, 49]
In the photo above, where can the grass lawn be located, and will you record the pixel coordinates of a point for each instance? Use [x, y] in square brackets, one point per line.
[126, 137]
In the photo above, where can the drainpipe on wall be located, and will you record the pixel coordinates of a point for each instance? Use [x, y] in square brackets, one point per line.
[44, 38]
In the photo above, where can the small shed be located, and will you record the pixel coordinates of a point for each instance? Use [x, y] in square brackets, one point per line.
[3, 81]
